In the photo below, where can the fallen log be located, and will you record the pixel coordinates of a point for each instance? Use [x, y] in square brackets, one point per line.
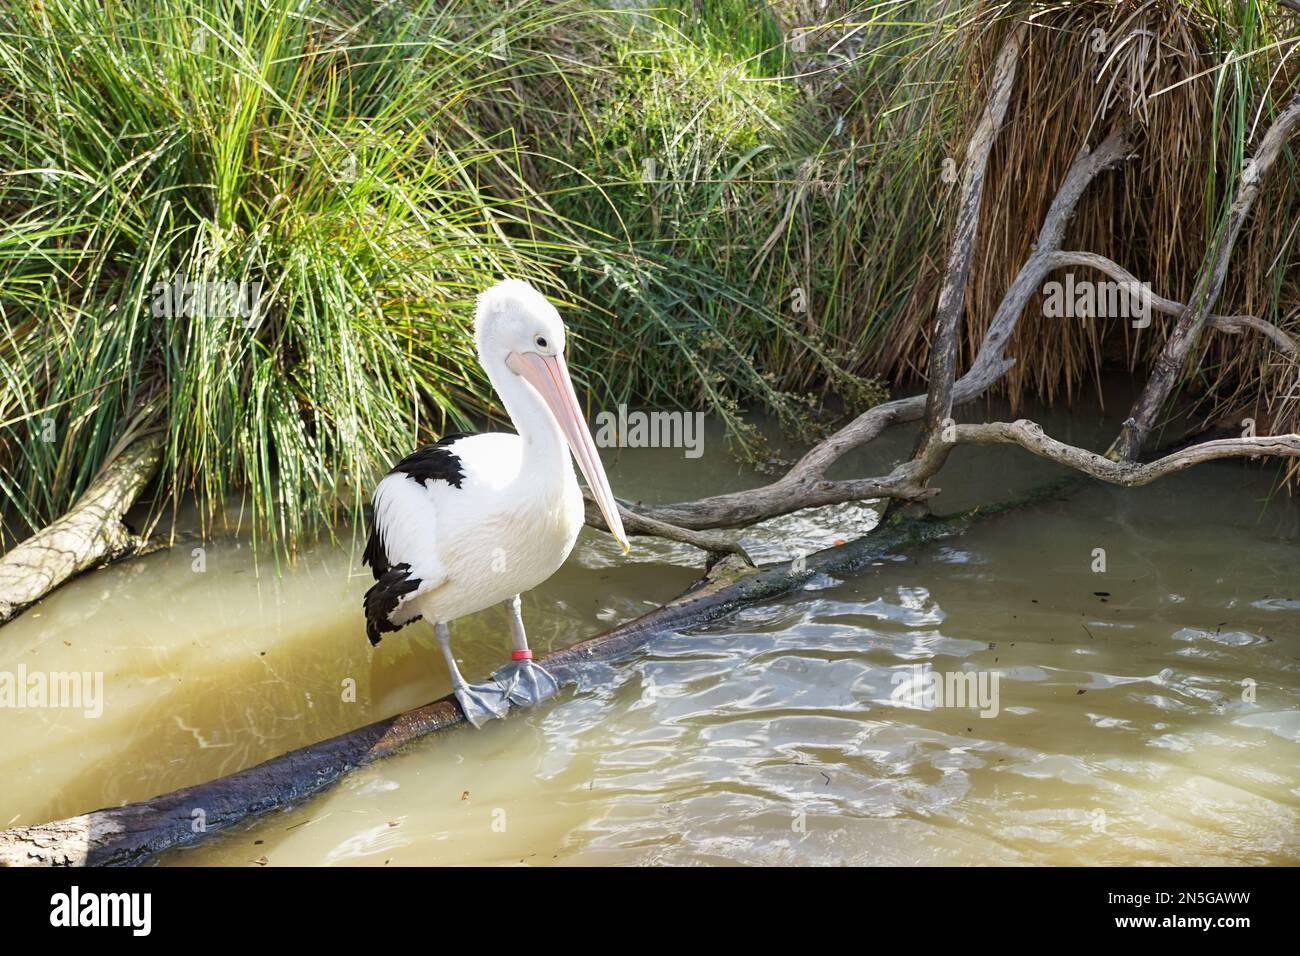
[131, 834]
[90, 533]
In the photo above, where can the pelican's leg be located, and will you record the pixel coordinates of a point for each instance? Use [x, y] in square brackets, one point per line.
[480, 702]
[524, 681]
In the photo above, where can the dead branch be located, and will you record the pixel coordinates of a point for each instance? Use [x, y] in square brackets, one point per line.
[1181, 342]
[712, 544]
[952, 293]
[1031, 437]
[991, 362]
[1232, 324]
[1229, 324]
[90, 533]
[806, 486]
[791, 493]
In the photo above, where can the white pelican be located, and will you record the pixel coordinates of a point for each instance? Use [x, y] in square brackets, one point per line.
[475, 520]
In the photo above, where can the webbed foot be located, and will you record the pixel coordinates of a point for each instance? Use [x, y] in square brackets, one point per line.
[482, 702]
[526, 683]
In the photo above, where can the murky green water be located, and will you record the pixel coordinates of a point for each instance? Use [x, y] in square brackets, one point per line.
[1145, 714]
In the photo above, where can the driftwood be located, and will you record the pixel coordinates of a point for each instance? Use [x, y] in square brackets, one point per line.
[1032, 438]
[713, 544]
[1228, 324]
[91, 533]
[131, 834]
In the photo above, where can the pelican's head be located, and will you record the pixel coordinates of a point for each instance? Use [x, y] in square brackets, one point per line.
[516, 327]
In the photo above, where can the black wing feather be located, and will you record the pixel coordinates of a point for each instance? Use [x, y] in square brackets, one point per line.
[436, 461]
[374, 555]
[383, 597]
[393, 582]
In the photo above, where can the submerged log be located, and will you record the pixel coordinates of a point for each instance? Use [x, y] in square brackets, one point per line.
[129, 835]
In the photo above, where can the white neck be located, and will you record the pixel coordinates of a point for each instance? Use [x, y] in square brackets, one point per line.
[544, 446]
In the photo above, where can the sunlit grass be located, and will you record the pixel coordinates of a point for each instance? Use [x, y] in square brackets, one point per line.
[329, 157]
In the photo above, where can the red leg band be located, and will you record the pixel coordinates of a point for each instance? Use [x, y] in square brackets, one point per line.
[524, 655]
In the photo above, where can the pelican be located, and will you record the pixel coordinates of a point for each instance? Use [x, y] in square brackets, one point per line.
[474, 520]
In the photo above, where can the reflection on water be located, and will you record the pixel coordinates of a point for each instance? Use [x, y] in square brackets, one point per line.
[1145, 714]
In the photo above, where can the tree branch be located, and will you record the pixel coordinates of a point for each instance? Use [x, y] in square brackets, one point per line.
[1229, 324]
[952, 294]
[804, 485]
[991, 362]
[1178, 347]
[1031, 437]
[713, 544]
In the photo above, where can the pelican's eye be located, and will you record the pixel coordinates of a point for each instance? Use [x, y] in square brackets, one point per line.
[541, 342]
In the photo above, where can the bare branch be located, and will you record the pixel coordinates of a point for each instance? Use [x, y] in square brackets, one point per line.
[991, 362]
[1232, 324]
[1173, 358]
[783, 497]
[1031, 437]
[634, 523]
[805, 486]
[1229, 324]
[952, 294]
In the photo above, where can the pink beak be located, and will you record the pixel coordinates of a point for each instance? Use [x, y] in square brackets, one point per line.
[549, 376]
